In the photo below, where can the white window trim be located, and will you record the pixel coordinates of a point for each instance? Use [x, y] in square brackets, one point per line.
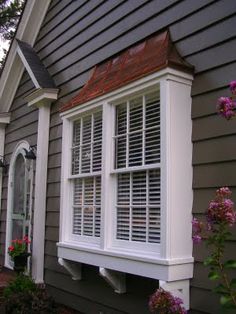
[174, 262]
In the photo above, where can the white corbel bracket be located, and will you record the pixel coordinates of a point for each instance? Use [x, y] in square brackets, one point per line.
[74, 269]
[114, 278]
[179, 288]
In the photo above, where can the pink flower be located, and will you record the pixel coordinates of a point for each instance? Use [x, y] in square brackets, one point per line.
[232, 87]
[226, 107]
[197, 225]
[164, 302]
[221, 209]
[223, 192]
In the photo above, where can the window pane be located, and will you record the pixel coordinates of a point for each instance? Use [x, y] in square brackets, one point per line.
[87, 144]
[121, 119]
[138, 122]
[19, 185]
[152, 129]
[97, 142]
[135, 149]
[136, 114]
[17, 229]
[120, 152]
[123, 223]
[138, 206]
[87, 204]
[86, 158]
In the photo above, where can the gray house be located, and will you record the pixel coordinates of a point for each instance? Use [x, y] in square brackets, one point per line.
[116, 100]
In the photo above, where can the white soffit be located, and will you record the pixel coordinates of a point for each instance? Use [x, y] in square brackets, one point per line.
[27, 31]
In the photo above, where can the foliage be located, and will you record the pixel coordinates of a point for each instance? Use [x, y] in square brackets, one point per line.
[18, 246]
[23, 296]
[163, 302]
[20, 285]
[10, 11]
[220, 216]
[226, 105]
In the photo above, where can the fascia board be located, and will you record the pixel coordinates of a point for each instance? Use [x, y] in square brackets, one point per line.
[27, 31]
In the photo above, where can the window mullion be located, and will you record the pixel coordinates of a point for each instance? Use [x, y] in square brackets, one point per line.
[147, 205]
[130, 205]
[127, 133]
[94, 204]
[81, 144]
[91, 145]
[82, 208]
[144, 128]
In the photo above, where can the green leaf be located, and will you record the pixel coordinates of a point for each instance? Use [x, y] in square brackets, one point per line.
[213, 275]
[209, 261]
[230, 264]
[225, 300]
[233, 283]
[221, 290]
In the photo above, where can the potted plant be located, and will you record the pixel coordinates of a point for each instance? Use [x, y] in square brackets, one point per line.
[18, 251]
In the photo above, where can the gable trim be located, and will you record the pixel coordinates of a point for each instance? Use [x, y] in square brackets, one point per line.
[27, 31]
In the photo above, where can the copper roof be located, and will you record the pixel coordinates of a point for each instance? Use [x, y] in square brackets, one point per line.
[152, 54]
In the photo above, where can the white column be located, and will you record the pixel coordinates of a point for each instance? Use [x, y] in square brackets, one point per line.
[40, 193]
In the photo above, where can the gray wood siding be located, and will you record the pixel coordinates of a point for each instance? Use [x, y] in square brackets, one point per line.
[72, 42]
[23, 126]
[75, 36]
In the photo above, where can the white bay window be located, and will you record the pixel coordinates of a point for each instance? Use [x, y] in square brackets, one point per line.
[126, 191]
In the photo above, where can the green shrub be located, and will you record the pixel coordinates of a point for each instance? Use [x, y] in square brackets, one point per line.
[23, 296]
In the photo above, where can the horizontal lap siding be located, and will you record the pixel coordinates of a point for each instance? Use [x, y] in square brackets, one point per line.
[23, 126]
[75, 36]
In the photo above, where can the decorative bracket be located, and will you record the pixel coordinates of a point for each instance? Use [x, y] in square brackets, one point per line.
[179, 288]
[73, 268]
[114, 278]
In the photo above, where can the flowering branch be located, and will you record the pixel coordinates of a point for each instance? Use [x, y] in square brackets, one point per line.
[163, 302]
[220, 216]
[226, 105]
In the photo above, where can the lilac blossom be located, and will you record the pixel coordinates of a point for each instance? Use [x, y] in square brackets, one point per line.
[232, 87]
[226, 107]
[163, 302]
[221, 209]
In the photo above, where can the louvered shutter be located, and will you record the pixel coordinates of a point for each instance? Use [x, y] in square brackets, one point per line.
[137, 143]
[87, 144]
[138, 206]
[86, 160]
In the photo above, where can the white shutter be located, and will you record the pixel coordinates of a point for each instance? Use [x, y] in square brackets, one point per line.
[87, 144]
[152, 129]
[87, 206]
[123, 206]
[97, 142]
[87, 159]
[137, 138]
[120, 140]
[138, 206]
[76, 147]
[137, 142]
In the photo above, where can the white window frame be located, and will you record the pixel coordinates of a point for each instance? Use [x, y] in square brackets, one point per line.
[173, 261]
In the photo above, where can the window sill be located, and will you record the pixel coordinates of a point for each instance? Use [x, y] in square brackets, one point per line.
[156, 268]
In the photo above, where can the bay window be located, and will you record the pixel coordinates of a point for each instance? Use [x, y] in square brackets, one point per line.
[126, 191]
